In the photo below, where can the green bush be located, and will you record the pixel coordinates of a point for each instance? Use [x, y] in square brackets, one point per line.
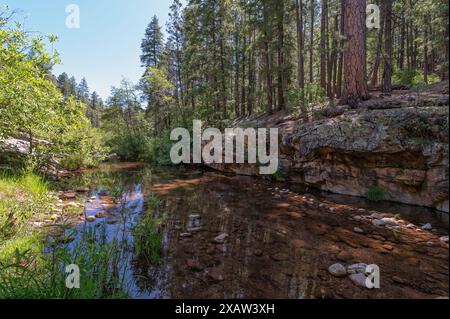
[413, 78]
[376, 193]
[131, 147]
[160, 149]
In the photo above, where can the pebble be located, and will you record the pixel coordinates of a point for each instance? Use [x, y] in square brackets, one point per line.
[257, 252]
[216, 274]
[100, 215]
[427, 227]
[82, 189]
[194, 265]
[376, 216]
[444, 239]
[90, 219]
[357, 218]
[378, 223]
[38, 224]
[358, 279]
[279, 257]
[358, 230]
[112, 221]
[337, 270]
[183, 235]
[390, 221]
[221, 238]
[398, 280]
[69, 195]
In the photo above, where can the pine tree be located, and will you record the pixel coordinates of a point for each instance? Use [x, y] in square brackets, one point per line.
[152, 45]
[63, 84]
[83, 91]
[174, 48]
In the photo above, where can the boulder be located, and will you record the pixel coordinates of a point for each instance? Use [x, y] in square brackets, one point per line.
[337, 270]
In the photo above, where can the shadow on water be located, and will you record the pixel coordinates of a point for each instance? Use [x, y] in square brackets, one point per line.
[242, 237]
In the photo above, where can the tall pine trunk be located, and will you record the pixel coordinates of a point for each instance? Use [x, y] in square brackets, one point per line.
[355, 86]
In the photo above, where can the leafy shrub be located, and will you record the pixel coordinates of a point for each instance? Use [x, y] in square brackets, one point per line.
[279, 176]
[131, 147]
[376, 193]
[413, 78]
[160, 149]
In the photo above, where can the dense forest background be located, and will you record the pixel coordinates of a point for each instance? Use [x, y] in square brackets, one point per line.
[220, 60]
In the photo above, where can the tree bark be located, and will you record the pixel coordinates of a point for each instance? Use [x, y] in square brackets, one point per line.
[323, 44]
[387, 73]
[355, 86]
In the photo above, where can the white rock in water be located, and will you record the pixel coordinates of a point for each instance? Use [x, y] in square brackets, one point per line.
[221, 238]
[427, 227]
[359, 279]
[338, 270]
[359, 268]
[90, 219]
[376, 216]
[378, 222]
[390, 221]
[444, 239]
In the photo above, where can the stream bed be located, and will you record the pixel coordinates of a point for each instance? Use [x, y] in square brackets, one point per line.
[230, 236]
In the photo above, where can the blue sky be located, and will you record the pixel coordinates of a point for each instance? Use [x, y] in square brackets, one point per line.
[106, 48]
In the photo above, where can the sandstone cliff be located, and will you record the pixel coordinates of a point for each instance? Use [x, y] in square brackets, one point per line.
[398, 144]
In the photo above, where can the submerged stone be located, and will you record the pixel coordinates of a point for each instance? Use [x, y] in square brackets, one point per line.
[337, 270]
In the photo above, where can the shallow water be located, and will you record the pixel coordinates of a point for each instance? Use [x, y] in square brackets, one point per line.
[278, 240]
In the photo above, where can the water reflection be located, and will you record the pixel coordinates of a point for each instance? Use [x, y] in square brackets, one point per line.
[240, 237]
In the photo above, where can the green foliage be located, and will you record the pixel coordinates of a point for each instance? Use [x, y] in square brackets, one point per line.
[153, 201]
[152, 44]
[26, 271]
[160, 149]
[131, 147]
[32, 107]
[376, 193]
[301, 99]
[279, 176]
[413, 78]
[21, 197]
[28, 275]
[148, 238]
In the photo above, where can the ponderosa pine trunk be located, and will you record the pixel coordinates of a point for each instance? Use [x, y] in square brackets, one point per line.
[387, 72]
[355, 86]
